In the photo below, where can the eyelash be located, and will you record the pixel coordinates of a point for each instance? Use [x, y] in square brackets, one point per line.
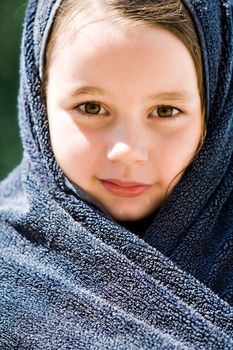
[176, 115]
[90, 115]
[93, 115]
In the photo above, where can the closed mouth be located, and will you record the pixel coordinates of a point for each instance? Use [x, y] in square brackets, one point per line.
[125, 188]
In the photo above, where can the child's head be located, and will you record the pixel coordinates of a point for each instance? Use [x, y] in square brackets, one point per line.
[125, 100]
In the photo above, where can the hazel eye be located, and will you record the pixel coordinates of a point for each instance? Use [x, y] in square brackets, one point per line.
[166, 112]
[91, 108]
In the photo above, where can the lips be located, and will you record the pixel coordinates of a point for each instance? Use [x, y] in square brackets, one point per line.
[124, 189]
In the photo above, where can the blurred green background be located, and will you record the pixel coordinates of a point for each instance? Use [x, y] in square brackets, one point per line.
[11, 18]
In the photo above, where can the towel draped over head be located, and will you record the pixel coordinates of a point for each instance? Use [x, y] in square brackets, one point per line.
[73, 278]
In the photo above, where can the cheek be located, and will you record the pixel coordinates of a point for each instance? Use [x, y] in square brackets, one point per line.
[179, 148]
[76, 150]
[184, 143]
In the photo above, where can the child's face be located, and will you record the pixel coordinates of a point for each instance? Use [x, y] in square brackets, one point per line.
[128, 149]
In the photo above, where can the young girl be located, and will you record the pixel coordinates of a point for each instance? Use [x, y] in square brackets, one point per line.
[116, 228]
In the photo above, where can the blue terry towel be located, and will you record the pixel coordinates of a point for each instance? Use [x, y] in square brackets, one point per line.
[73, 278]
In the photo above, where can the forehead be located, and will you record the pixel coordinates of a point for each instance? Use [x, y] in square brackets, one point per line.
[107, 35]
[109, 55]
[99, 32]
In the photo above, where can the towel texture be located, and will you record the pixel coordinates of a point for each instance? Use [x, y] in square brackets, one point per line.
[71, 277]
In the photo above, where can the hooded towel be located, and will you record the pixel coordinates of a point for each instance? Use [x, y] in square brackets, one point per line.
[73, 278]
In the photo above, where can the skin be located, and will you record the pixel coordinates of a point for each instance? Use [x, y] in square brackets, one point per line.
[132, 72]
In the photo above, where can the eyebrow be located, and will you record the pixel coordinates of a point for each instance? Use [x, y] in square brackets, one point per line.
[89, 90]
[181, 95]
[172, 96]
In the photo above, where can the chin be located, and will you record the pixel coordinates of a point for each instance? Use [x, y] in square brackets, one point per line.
[120, 214]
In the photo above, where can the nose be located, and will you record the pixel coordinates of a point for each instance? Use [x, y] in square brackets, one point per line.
[128, 145]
